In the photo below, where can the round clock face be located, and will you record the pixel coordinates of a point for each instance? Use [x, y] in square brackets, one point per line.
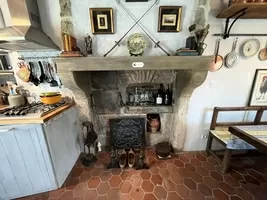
[251, 47]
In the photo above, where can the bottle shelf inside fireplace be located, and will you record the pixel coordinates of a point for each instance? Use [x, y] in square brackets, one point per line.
[148, 109]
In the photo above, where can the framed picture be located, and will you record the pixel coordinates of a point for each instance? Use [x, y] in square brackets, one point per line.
[169, 18]
[102, 20]
[258, 96]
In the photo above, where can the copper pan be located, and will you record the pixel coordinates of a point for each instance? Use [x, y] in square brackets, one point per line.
[263, 53]
[217, 63]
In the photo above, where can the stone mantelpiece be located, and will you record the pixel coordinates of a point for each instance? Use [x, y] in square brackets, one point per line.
[185, 73]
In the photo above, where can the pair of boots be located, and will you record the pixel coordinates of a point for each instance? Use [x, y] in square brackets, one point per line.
[127, 158]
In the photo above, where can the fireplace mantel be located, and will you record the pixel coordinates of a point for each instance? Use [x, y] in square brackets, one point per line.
[125, 63]
[189, 72]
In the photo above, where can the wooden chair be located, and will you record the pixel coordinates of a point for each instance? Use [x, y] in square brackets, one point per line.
[219, 131]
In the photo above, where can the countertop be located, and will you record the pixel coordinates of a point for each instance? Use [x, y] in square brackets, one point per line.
[39, 120]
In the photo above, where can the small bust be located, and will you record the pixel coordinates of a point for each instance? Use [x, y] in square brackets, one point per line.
[88, 45]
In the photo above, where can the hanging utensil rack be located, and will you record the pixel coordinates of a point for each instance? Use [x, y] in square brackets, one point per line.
[246, 12]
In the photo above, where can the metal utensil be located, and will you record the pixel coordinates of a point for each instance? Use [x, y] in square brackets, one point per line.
[263, 53]
[218, 59]
[232, 59]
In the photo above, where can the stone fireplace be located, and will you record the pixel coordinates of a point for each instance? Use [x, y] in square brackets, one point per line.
[99, 86]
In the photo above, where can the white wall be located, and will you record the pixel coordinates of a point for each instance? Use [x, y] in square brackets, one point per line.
[227, 87]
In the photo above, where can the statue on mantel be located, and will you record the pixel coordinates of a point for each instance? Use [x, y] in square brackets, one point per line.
[88, 45]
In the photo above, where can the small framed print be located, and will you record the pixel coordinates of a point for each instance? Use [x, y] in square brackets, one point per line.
[169, 18]
[102, 20]
[258, 96]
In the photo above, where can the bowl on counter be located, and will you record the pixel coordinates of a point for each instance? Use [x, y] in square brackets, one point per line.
[50, 97]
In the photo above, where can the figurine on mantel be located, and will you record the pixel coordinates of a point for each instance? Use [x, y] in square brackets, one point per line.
[88, 45]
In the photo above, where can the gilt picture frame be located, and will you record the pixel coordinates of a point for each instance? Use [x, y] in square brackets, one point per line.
[258, 96]
[169, 19]
[102, 21]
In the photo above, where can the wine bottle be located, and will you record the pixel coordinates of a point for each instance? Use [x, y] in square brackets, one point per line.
[159, 99]
[167, 97]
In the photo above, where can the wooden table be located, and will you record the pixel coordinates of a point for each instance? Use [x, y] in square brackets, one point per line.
[255, 135]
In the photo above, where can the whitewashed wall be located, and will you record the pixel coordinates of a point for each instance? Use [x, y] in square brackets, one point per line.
[227, 87]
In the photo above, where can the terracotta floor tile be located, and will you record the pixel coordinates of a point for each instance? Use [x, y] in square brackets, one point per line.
[190, 184]
[226, 188]
[90, 194]
[93, 182]
[216, 176]
[136, 180]
[113, 194]
[212, 161]
[85, 177]
[125, 175]
[190, 167]
[173, 196]
[67, 195]
[169, 185]
[182, 191]
[208, 166]
[250, 179]
[145, 174]
[196, 177]
[76, 172]
[156, 179]
[212, 183]
[137, 193]
[105, 176]
[236, 175]
[56, 193]
[125, 197]
[160, 192]
[196, 162]
[200, 157]
[161, 164]
[149, 197]
[125, 187]
[154, 170]
[220, 195]
[202, 171]
[116, 171]
[177, 179]
[80, 190]
[172, 168]
[184, 159]
[255, 174]
[231, 181]
[164, 173]
[204, 189]
[115, 181]
[235, 198]
[103, 188]
[178, 163]
[147, 186]
[96, 171]
[71, 183]
[184, 173]
[196, 195]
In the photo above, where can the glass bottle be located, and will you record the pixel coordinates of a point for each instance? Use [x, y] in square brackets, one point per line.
[167, 96]
[159, 98]
[136, 97]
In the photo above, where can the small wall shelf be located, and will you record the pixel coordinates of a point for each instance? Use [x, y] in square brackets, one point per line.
[148, 109]
[254, 10]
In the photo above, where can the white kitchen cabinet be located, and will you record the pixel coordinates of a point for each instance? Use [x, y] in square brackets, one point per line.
[36, 158]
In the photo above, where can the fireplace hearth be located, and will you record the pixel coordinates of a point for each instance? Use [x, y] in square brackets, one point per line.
[127, 133]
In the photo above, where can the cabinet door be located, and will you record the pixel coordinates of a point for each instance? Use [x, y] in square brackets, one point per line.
[25, 168]
[62, 139]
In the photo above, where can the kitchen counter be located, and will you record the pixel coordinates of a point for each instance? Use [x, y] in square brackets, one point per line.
[39, 120]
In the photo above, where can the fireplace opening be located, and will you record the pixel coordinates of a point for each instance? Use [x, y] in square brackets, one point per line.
[153, 123]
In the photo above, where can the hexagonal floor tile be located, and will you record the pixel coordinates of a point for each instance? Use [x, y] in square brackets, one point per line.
[218, 194]
[136, 180]
[80, 190]
[90, 194]
[103, 188]
[93, 182]
[145, 174]
[115, 181]
[116, 171]
[196, 195]
[164, 173]
[67, 195]
[147, 186]
[173, 196]
[190, 183]
[125, 175]
[168, 185]
[125, 187]
[113, 193]
[177, 179]
[125, 197]
[96, 172]
[226, 188]
[178, 163]
[105, 176]
[210, 182]
[204, 189]
[182, 191]
[156, 179]
[160, 192]
[137, 193]
[149, 197]
[196, 162]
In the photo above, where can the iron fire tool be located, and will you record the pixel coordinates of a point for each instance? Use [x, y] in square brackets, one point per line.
[140, 25]
[118, 43]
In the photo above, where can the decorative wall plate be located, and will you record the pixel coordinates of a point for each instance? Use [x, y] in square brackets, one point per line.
[251, 47]
[136, 44]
